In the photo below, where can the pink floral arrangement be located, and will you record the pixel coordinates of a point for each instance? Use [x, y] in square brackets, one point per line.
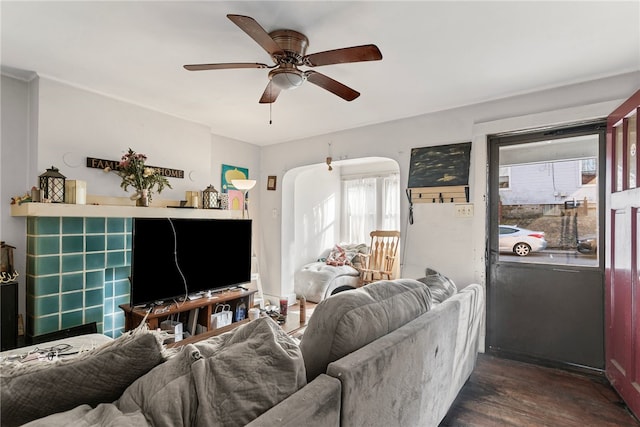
[135, 173]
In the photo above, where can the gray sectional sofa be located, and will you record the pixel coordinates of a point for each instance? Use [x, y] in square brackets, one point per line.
[393, 353]
[387, 354]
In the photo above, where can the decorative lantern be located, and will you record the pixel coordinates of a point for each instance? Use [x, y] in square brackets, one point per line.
[210, 198]
[52, 183]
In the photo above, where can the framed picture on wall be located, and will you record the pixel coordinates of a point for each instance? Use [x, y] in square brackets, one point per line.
[232, 172]
[440, 165]
[271, 182]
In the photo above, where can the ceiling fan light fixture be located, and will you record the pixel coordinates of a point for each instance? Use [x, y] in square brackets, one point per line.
[287, 79]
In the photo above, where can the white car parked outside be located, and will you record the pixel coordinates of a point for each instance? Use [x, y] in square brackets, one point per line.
[520, 241]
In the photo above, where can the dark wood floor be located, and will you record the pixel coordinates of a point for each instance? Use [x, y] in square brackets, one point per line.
[504, 392]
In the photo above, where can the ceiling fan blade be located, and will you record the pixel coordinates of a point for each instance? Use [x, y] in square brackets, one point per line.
[369, 52]
[333, 86]
[225, 66]
[256, 32]
[270, 94]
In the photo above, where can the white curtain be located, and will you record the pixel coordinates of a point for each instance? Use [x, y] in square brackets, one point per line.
[360, 209]
[369, 203]
[391, 202]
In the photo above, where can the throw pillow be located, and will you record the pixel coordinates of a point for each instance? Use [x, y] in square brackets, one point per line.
[337, 257]
[33, 390]
[166, 395]
[349, 320]
[244, 373]
[441, 286]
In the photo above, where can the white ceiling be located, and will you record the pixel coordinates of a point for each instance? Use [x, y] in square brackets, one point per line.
[436, 55]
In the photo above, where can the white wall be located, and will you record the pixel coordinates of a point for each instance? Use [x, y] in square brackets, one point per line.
[437, 239]
[75, 124]
[368, 167]
[317, 213]
[19, 116]
[310, 207]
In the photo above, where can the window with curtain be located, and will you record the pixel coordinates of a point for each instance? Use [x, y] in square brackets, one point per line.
[369, 203]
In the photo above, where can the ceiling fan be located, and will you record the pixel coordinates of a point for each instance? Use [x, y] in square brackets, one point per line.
[288, 49]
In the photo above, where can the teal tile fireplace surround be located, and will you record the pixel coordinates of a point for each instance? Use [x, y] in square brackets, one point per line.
[77, 273]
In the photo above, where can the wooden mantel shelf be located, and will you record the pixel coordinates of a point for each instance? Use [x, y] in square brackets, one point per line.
[115, 211]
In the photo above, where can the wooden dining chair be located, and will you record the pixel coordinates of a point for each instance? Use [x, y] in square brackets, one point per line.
[379, 263]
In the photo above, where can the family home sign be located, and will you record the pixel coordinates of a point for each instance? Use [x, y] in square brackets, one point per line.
[94, 163]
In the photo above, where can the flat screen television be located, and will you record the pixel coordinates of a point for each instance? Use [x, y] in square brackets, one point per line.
[175, 257]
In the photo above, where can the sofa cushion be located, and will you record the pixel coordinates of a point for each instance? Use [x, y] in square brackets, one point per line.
[35, 389]
[166, 395]
[243, 373]
[441, 286]
[346, 321]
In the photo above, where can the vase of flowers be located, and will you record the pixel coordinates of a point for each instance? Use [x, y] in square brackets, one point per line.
[144, 179]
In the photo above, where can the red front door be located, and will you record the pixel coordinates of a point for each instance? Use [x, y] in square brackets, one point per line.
[622, 291]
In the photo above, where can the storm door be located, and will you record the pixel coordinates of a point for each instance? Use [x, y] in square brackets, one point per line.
[545, 275]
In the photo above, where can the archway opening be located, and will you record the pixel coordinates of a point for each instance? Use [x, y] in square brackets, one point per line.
[319, 210]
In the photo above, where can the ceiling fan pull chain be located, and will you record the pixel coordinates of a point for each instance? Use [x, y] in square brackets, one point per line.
[270, 105]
